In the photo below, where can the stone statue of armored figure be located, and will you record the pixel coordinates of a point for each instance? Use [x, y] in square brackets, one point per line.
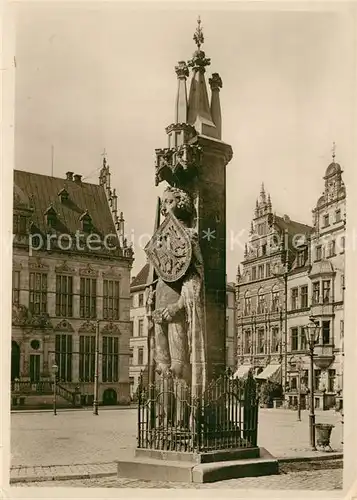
[178, 317]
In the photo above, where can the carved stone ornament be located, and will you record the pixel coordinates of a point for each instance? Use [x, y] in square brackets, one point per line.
[87, 327]
[20, 315]
[111, 273]
[38, 264]
[42, 321]
[88, 271]
[64, 268]
[64, 326]
[16, 266]
[170, 250]
[111, 329]
[180, 163]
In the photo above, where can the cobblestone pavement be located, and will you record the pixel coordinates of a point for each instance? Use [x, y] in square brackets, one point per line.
[308, 480]
[79, 437]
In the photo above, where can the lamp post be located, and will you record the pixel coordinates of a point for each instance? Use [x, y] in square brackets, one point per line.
[54, 371]
[312, 333]
[296, 365]
[96, 371]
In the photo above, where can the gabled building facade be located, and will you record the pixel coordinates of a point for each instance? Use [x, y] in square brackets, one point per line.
[71, 276]
[292, 272]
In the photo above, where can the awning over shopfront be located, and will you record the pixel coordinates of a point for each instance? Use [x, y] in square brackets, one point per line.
[242, 371]
[271, 372]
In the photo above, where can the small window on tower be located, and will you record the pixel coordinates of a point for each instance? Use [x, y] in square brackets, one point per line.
[326, 220]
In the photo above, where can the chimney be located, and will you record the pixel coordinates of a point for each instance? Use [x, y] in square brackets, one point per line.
[77, 178]
[69, 176]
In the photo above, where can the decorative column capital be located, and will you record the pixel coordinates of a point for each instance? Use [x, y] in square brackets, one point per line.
[215, 82]
[182, 71]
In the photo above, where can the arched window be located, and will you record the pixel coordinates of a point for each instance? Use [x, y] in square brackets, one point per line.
[261, 301]
[247, 304]
[275, 299]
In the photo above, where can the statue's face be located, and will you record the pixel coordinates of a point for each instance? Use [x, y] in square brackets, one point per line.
[169, 203]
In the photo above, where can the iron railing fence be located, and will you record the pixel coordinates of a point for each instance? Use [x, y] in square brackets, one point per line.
[224, 416]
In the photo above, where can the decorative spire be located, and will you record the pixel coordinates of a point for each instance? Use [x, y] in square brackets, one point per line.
[238, 273]
[216, 84]
[269, 202]
[181, 99]
[251, 228]
[262, 192]
[245, 251]
[333, 151]
[198, 35]
[199, 112]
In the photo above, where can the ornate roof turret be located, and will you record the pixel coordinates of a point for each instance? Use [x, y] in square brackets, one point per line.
[199, 111]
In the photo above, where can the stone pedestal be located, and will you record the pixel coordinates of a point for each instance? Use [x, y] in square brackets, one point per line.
[197, 468]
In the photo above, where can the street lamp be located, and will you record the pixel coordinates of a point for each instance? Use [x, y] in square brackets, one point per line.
[312, 331]
[96, 371]
[296, 365]
[54, 372]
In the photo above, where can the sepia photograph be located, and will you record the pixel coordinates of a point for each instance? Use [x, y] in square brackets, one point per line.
[181, 250]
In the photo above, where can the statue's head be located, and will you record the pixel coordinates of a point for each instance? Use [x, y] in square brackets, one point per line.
[178, 202]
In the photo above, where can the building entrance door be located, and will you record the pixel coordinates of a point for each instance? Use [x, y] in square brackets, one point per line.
[15, 360]
[35, 367]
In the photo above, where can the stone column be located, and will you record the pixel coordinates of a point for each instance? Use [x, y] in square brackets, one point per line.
[46, 367]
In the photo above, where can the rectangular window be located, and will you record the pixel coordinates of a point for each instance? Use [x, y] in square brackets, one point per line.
[264, 249]
[294, 339]
[63, 355]
[64, 296]
[331, 248]
[318, 252]
[111, 299]
[301, 258]
[110, 359]
[326, 220]
[88, 298]
[261, 303]
[275, 302]
[140, 356]
[247, 306]
[331, 380]
[316, 292]
[38, 293]
[343, 244]
[317, 377]
[303, 339]
[254, 273]
[141, 299]
[86, 358]
[326, 291]
[267, 269]
[35, 367]
[247, 341]
[294, 298]
[304, 297]
[342, 328]
[16, 287]
[261, 272]
[293, 383]
[338, 215]
[325, 332]
[141, 327]
[261, 342]
[131, 355]
[275, 339]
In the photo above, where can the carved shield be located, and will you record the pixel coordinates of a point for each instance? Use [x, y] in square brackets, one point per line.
[170, 249]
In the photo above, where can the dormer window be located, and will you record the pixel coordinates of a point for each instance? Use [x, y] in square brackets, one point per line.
[301, 258]
[63, 194]
[51, 216]
[86, 222]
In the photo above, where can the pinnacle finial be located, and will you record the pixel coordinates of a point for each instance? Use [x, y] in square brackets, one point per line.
[104, 154]
[333, 151]
[198, 35]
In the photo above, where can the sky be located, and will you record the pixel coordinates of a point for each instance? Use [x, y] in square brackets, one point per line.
[95, 76]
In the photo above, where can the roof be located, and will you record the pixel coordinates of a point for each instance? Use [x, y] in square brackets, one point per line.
[142, 277]
[292, 226]
[321, 267]
[42, 191]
